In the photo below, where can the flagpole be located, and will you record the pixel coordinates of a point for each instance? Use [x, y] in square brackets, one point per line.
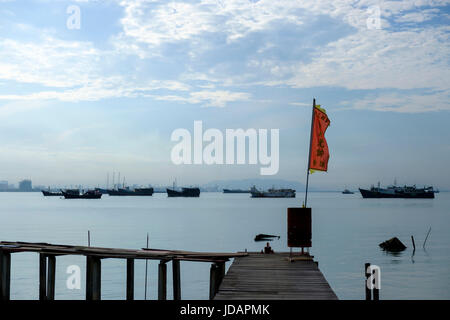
[309, 154]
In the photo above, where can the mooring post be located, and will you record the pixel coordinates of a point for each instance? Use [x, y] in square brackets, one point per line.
[368, 291]
[162, 280]
[176, 279]
[42, 276]
[51, 267]
[130, 279]
[93, 278]
[5, 275]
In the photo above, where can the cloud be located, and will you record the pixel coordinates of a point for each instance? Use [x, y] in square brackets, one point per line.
[207, 98]
[404, 102]
[205, 52]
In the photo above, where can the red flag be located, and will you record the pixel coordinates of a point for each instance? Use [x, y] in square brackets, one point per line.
[318, 152]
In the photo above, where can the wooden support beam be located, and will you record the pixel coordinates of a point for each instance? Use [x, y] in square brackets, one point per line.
[93, 278]
[221, 273]
[51, 272]
[130, 279]
[212, 281]
[42, 276]
[176, 279]
[216, 275]
[5, 275]
[162, 280]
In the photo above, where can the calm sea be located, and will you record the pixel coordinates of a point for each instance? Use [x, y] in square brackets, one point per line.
[346, 232]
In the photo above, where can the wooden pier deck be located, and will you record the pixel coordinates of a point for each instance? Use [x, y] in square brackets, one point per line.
[274, 277]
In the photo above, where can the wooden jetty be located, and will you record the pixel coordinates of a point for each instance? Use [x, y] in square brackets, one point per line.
[251, 275]
[94, 255]
[273, 276]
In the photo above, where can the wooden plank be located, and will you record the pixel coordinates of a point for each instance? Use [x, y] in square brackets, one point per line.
[155, 254]
[272, 276]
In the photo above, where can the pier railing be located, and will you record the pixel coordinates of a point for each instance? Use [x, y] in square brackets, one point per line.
[94, 255]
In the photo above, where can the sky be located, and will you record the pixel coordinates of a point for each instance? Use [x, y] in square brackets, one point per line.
[102, 91]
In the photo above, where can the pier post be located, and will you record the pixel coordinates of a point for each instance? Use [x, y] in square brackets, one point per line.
[42, 276]
[5, 275]
[162, 280]
[212, 281]
[176, 279]
[368, 291]
[216, 275]
[51, 267]
[93, 278]
[130, 279]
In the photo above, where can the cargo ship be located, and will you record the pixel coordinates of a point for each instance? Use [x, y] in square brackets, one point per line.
[272, 193]
[406, 192]
[185, 192]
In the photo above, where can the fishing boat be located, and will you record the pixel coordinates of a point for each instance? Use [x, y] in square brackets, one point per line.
[346, 191]
[272, 193]
[129, 192]
[185, 192]
[406, 192]
[51, 194]
[90, 194]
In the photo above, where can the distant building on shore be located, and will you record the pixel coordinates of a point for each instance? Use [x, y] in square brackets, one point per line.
[3, 185]
[25, 185]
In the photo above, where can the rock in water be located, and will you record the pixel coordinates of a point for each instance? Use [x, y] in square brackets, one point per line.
[393, 244]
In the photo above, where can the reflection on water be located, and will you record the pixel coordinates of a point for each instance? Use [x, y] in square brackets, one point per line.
[346, 233]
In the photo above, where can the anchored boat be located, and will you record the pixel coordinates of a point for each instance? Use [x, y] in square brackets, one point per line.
[272, 193]
[51, 194]
[90, 194]
[128, 192]
[185, 192]
[398, 192]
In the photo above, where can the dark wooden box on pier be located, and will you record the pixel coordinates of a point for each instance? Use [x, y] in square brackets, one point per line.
[299, 227]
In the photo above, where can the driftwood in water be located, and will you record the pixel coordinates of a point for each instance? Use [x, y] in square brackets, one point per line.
[265, 237]
[393, 244]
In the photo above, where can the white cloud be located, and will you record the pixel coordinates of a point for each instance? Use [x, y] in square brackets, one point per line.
[208, 98]
[373, 59]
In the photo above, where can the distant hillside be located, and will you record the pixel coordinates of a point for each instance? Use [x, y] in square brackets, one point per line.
[259, 183]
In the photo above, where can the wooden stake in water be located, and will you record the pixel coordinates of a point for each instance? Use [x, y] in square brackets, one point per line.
[426, 238]
[146, 270]
[89, 238]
